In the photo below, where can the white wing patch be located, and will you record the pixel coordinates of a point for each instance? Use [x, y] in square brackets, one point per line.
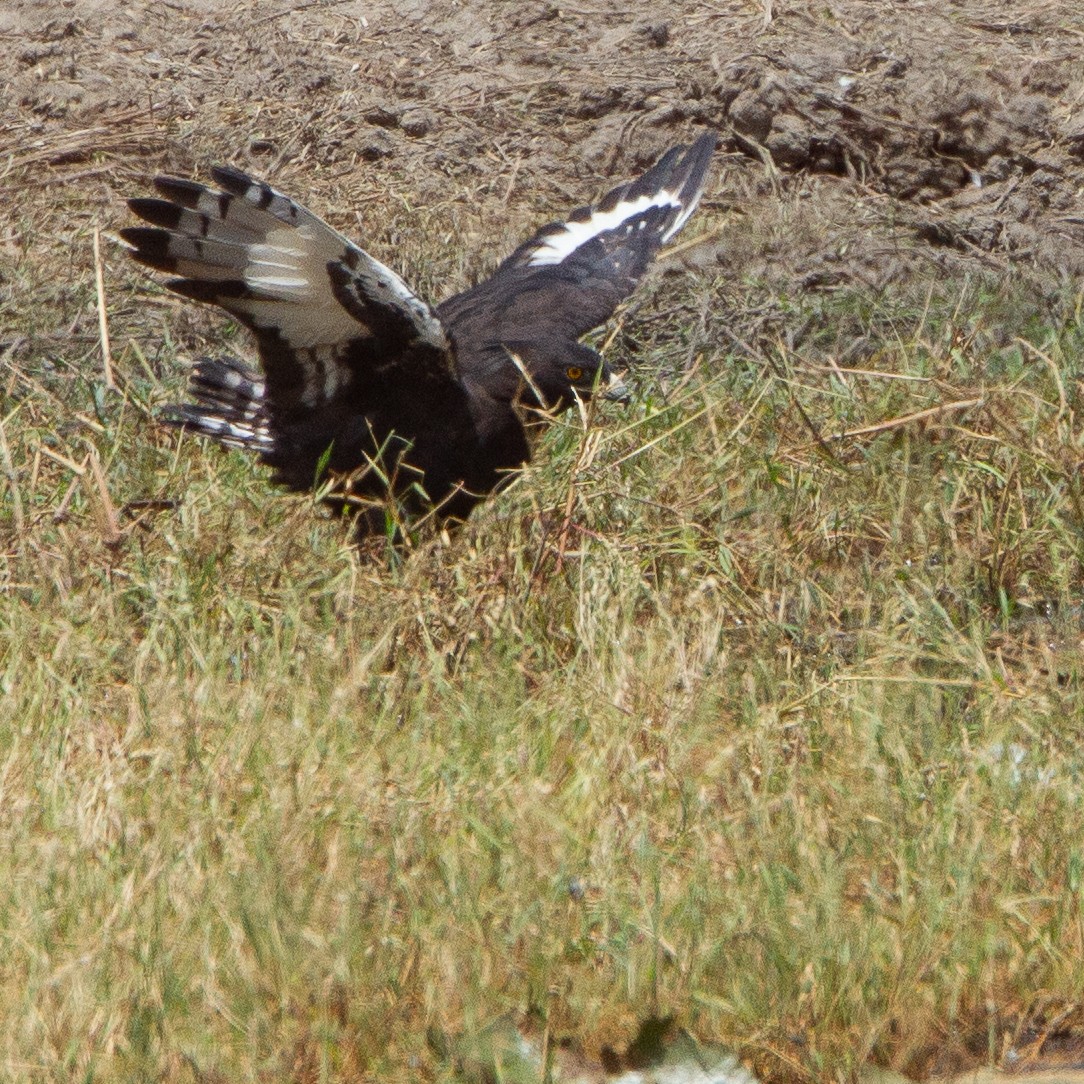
[272, 257]
[559, 246]
[235, 434]
[290, 265]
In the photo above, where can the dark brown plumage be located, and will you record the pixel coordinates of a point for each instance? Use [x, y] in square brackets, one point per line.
[362, 378]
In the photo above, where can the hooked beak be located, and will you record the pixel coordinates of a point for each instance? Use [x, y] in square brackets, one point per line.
[615, 391]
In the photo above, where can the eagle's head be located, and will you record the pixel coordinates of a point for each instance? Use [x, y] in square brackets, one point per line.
[550, 376]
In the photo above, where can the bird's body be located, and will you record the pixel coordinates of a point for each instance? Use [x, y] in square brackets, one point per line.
[361, 378]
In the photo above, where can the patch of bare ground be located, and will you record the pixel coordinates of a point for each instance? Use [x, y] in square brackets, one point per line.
[927, 136]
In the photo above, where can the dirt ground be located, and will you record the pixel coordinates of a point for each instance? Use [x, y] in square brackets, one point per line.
[861, 141]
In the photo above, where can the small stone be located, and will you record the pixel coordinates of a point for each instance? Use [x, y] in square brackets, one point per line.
[418, 122]
[374, 145]
[383, 116]
[657, 34]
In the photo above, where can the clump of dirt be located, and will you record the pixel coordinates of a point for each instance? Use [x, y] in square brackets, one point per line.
[969, 124]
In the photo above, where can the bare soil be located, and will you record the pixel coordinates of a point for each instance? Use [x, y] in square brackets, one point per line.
[861, 141]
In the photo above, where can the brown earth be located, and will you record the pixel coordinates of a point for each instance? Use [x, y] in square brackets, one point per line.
[861, 141]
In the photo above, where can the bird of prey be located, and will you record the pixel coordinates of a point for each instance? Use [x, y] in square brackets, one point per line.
[361, 379]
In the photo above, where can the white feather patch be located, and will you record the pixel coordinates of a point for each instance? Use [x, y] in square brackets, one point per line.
[290, 265]
[559, 246]
[686, 210]
[236, 434]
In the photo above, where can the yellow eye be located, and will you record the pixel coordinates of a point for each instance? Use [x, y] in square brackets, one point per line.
[574, 372]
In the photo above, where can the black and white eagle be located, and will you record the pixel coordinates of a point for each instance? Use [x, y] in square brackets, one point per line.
[359, 376]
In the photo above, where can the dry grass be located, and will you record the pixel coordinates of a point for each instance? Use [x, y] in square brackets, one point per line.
[715, 713]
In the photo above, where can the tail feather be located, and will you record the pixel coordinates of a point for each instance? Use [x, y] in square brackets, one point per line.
[229, 407]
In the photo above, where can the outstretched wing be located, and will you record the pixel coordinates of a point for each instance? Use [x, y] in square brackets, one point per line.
[343, 341]
[571, 275]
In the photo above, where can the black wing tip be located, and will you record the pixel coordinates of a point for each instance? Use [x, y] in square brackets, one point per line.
[698, 154]
[148, 245]
[158, 212]
[187, 193]
[226, 173]
[706, 142]
[233, 180]
[179, 190]
[681, 164]
[141, 236]
[666, 161]
[218, 369]
[698, 150]
[696, 158]
[174, 414]
[680, 168]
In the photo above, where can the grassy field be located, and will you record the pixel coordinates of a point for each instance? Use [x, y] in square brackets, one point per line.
[756, 703]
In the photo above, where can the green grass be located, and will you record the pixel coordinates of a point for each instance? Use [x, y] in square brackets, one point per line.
[712, 714]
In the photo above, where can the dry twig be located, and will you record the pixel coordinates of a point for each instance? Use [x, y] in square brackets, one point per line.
[103, 324]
